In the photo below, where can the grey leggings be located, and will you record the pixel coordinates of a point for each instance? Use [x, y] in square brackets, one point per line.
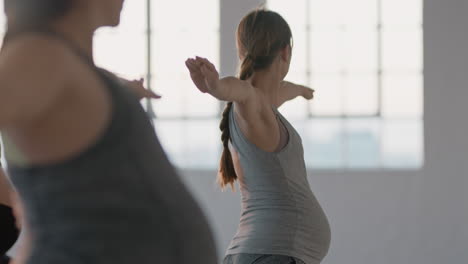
[260, 259]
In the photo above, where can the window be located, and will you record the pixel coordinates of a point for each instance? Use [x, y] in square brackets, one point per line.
[157, 48]
[122, 50]
[364, 58]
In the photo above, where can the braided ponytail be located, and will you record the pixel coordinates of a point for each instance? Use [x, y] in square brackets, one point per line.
[227, 174]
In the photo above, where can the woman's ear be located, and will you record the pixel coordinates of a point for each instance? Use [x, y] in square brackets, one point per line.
[285, 54]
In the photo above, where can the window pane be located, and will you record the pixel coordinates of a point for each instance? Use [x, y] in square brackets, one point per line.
[328, 95]
[181, 99]
[361, 13]
[361, 95]
[402, 50]
[402, 144]
[123, 54]
[184, 140]
[295, 14]
[329, 12]
[362, 143]
[323, 144]
[402, 96]
[172, 105]
[327, 51]
[171, 49]
[198, 104]
[186, 15]
[360, 51]
[180, 33]
[171, 135]
[402, 12]
[299, 60]
[295, 109]
[133, 19]
[122, 50]
[298, 77]
[335, 51]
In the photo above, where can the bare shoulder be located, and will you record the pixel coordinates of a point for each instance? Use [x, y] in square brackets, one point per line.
[35, 50]
[251, 110]
[34, 71]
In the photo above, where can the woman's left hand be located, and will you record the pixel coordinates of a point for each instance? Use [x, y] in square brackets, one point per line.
[308, 93]
[140, 90]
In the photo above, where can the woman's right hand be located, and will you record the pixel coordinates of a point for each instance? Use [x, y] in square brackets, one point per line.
[204, 74]
[230, 89]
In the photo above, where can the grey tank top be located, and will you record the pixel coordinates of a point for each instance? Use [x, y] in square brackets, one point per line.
[280, 214]
[120, 201]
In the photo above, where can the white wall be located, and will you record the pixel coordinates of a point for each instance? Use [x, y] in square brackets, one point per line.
[387, 217]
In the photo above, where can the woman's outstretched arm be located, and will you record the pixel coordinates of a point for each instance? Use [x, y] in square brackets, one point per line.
[205, 76]
[289, 91]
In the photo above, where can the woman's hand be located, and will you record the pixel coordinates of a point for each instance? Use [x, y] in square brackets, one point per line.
[288, 91]
[204, 74]
[139, 89]
[308, 93]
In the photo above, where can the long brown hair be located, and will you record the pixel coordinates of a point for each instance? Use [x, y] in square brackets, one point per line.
[261, 35]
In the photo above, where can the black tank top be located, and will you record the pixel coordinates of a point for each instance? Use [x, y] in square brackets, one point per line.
[120, 201]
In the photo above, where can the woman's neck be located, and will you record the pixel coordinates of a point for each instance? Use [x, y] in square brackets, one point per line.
[268, 82]
[79, 32]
